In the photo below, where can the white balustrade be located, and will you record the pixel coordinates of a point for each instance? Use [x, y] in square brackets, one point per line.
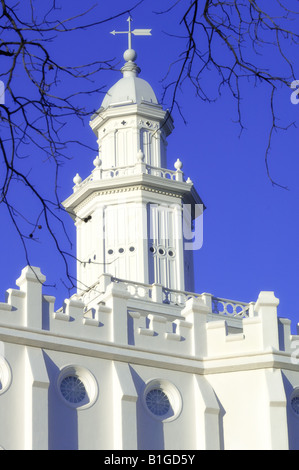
[117, 172]
[175, 297]
[230, 307]
[160, 294]
[136, 289]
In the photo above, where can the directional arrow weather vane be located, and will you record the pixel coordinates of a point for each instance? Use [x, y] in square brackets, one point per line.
[136, 32]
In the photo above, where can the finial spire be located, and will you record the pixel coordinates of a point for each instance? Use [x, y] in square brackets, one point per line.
[136, 32]
[130, 33]
[130, 68]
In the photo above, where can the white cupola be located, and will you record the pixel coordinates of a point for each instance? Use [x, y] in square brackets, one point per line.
[130, 89]
[129, 212]
[130, 119]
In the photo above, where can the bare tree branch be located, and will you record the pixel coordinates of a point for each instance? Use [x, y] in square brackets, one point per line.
[230, 39]
[37, 108]
[246, 33]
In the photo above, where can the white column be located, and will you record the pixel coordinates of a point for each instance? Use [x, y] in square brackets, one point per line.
[31, 282]
[276, 424]
[124, 408]
[35, 401]
[116, 298]
[196, 312]
[79, 255]
[180, 269]
[206, 417]
[266, 308]
[99, 242]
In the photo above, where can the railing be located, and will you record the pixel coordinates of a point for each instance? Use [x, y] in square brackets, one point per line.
[219, 306]
[162, 173]
[104, 174]
[176, 297]
[136, 289]
[163, 295]
[230, 307]
[119, 171]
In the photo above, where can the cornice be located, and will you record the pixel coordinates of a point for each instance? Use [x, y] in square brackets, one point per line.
[257, 360]
[144, 182]
[126, 189]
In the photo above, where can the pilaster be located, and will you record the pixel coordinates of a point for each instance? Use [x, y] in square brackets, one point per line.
[35, 401]
[31, 282]
[196, 313]
[116, 298]
[124, 408]
[266, 309]
[276, 421]
[207, 412]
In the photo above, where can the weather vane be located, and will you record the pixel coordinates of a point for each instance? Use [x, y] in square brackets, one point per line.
[136, 32]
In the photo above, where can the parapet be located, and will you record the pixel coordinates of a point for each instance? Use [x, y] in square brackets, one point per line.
[112, 313]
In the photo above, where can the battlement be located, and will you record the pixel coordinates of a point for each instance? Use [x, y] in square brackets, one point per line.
[138, 317]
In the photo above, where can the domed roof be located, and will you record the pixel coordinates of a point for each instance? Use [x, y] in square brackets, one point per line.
[130, 88]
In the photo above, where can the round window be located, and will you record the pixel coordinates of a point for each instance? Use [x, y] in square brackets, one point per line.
[77, 387]
[157, 402]
[295, 401]
[162, 400]
[73, 389]
[5, 375]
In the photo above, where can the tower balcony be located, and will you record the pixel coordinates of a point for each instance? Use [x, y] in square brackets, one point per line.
[122, 171]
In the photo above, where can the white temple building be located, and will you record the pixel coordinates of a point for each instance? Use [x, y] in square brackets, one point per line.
[135, 360]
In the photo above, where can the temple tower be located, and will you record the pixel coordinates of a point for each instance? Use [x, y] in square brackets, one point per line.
[133, 215]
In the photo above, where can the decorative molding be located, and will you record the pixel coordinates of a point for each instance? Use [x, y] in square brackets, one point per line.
[126, 189]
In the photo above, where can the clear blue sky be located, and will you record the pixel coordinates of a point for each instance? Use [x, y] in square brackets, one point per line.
[251, 229]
